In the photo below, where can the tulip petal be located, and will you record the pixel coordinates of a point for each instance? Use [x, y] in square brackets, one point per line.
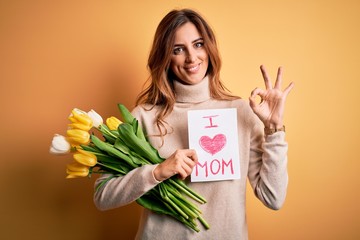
[76, 174]
[77, 167]
[96, 118]
[80, 126]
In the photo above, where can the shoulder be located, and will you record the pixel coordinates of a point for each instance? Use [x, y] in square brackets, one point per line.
[144, 111]
[245, 113]
[242, 106]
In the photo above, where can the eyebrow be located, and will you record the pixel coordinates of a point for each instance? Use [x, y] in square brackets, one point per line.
[196, 40]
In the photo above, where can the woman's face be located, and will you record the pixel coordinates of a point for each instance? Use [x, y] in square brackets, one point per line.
[189, 60]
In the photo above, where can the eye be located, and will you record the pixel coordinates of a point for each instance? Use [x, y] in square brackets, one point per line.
[199, 44]
[178, 50]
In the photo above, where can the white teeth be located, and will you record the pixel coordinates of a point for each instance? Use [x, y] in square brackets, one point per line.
[193, 69]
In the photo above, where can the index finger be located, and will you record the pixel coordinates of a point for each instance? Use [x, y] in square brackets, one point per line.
[191, 153]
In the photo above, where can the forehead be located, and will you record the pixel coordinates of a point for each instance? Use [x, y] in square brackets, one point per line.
[186, 33]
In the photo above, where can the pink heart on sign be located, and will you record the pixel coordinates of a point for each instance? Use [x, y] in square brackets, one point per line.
[213, 145]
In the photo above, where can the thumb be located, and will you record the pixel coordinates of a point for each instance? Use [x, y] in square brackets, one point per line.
[252, 102]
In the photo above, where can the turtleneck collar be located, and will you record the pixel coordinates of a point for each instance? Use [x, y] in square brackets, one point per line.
[196, 93]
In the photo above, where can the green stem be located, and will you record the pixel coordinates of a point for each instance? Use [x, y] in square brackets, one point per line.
[203, 222]
[165, 196]
[177, 194]
[112, 168]
[184, 208]
[188, 222]
[188, 191]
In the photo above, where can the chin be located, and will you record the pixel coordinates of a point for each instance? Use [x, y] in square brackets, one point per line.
[191, 80]
[195, 79]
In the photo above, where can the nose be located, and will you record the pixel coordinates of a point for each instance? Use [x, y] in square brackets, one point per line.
[191, 56]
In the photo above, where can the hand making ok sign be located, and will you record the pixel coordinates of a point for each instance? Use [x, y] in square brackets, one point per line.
[271, 108]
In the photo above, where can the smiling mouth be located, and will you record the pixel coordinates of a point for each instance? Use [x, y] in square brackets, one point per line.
[193, 69]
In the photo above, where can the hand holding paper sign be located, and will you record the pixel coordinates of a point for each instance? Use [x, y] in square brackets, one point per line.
[271, 108]
[180, 162]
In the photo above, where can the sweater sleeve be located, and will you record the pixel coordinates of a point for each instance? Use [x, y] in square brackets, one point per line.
[120, 191]
[268, 167]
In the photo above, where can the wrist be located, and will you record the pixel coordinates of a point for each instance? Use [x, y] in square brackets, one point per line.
[271, 130]
[155, 173]
[274, 125]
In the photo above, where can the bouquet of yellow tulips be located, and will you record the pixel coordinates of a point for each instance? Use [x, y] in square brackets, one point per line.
[123, 148]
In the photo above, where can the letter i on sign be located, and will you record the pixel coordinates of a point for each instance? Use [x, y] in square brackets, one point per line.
[213, 134]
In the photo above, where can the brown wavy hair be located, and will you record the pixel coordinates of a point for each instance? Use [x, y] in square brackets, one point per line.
[160, 91]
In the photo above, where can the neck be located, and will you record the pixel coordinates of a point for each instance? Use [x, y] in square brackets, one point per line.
[196, 93]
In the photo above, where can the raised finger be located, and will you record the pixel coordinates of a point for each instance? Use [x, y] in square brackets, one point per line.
[278, 78]
[288, 88]
[266, 77]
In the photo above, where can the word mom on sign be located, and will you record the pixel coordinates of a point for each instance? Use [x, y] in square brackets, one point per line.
[213, 134]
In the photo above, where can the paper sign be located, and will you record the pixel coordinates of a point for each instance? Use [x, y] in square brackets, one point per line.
[213, 134]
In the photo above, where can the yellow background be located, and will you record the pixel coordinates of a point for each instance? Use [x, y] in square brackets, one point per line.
[56, 55]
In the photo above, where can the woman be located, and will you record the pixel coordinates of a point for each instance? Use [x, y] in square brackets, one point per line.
[184, 64]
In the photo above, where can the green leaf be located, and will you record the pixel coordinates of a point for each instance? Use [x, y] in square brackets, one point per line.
[111, 150]
[153, 204]
[139, 146]
[90, 148]
[129, 118]
[120, 145]
[138, 130]
[109, 135]
[135, 125]
[137, 160]
[114, 163]
[125, 113]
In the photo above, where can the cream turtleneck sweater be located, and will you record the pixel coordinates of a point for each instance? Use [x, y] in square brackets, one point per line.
[262, 159]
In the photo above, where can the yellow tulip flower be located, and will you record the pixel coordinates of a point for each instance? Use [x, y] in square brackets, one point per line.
[78, 136]
[85, 158]
[113, 123]
[76, 169]
[81, 117]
